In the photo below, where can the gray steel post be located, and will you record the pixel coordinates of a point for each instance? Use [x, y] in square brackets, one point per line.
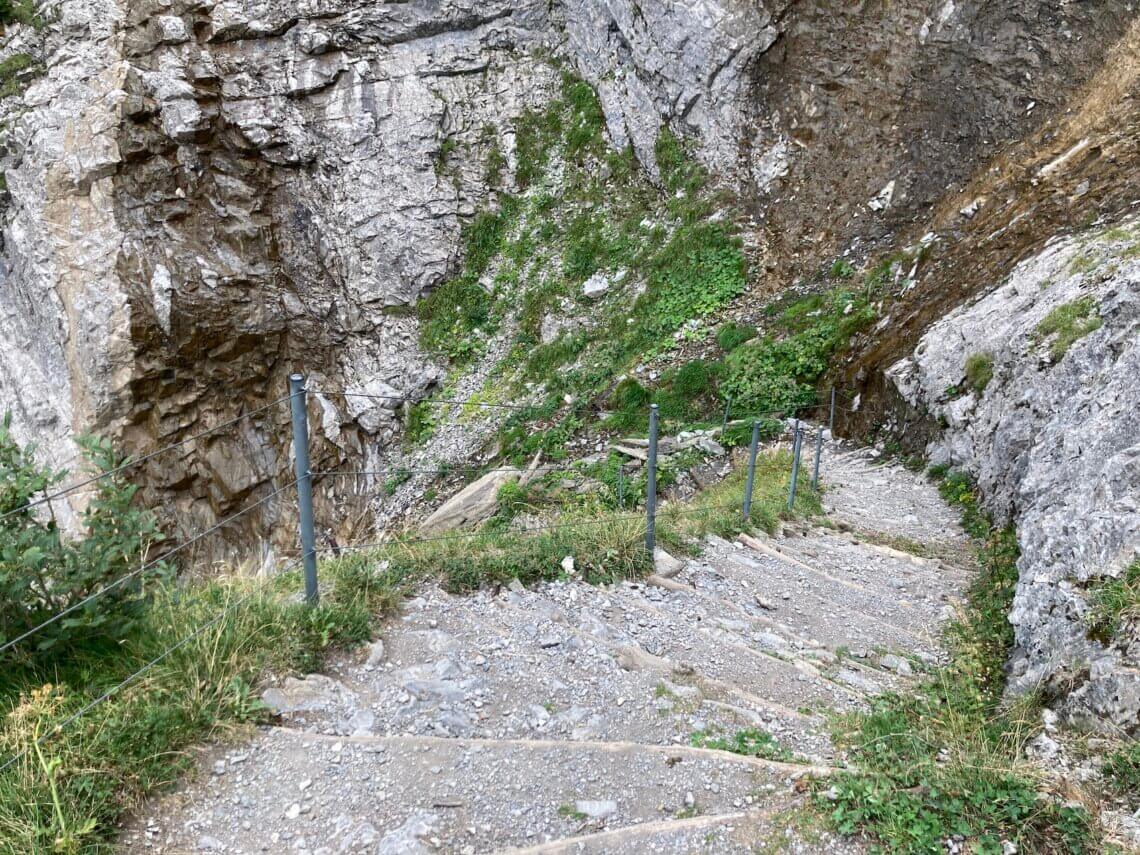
[818, 452]
[651, 485]
[831, 417]
[751, 470]
[304, 484]
[724, 423]
[798, 437]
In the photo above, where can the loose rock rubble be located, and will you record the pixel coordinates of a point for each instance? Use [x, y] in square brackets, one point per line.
[560, 718]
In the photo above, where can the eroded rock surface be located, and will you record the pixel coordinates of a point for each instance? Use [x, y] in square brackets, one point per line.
[1053, 440]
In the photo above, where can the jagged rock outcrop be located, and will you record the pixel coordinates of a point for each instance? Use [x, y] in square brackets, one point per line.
[1052, 439]
[206, 197]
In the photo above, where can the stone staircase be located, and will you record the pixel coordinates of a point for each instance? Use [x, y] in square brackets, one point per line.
[561, 718]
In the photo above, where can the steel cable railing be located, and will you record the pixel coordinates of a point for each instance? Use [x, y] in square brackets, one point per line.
[303, 483]
[135, 675]
[149, 565]
[138, 461]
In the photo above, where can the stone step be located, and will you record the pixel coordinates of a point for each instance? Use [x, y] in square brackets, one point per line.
[301, 790]
[740, 833]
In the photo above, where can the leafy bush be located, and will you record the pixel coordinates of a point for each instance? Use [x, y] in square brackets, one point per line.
[43, 573]
[780, 374]
[979, 371]
[1070, 323]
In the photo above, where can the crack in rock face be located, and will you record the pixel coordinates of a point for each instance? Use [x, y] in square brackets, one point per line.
[1052, 441]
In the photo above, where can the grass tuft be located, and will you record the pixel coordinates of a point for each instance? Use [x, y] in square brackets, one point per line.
[979, 371]
[1069, 323]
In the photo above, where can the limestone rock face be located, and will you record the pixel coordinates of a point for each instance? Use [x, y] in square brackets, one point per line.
[1053, 440]
[207, 197]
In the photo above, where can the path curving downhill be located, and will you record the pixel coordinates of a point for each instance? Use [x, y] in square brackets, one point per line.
[560, 719]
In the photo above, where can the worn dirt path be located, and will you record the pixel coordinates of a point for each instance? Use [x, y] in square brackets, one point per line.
[560, 719]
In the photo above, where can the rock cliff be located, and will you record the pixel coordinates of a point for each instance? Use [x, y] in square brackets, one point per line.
[1036, 386]
[202, 198]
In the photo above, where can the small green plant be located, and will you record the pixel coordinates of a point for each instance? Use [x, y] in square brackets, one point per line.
[1122, 770]
[570, 812]
[1113, 603]
[979, 371]
[841, 269]
[1069, 323]
[421, 423]
[20, 12]
[751, 742]
[400, 477]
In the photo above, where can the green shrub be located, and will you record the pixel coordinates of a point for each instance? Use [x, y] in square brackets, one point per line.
[19, 12]
[732, 335]
[421, 422]
[43, 573]
[1069, 323]
[979, 371]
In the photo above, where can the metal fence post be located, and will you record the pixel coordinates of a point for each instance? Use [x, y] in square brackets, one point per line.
[751, 470]
[797, 438]
[818, 452]
[831, 417]
[724, 423]
[651, 485]
[304, 484]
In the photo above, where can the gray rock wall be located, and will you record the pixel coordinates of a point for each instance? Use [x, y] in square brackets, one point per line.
[1055, 446]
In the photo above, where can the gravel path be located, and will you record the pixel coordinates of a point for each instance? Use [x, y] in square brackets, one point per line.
[560, 718]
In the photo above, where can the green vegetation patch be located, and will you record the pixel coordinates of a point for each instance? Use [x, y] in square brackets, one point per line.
[780, 373]
[948, 760]
[979, 371]
[751, 742]
[1113, 603]
[16, 69]
[1069, 323]
[1122, 770]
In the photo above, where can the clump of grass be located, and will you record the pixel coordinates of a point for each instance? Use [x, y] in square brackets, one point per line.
[948, 760]
[718, 509]
[77, 784]
[979, 371]
[732, 335]
[751, 742]
[1069, 323]
[1113, 603]
[16, 69]
[1122, 770]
